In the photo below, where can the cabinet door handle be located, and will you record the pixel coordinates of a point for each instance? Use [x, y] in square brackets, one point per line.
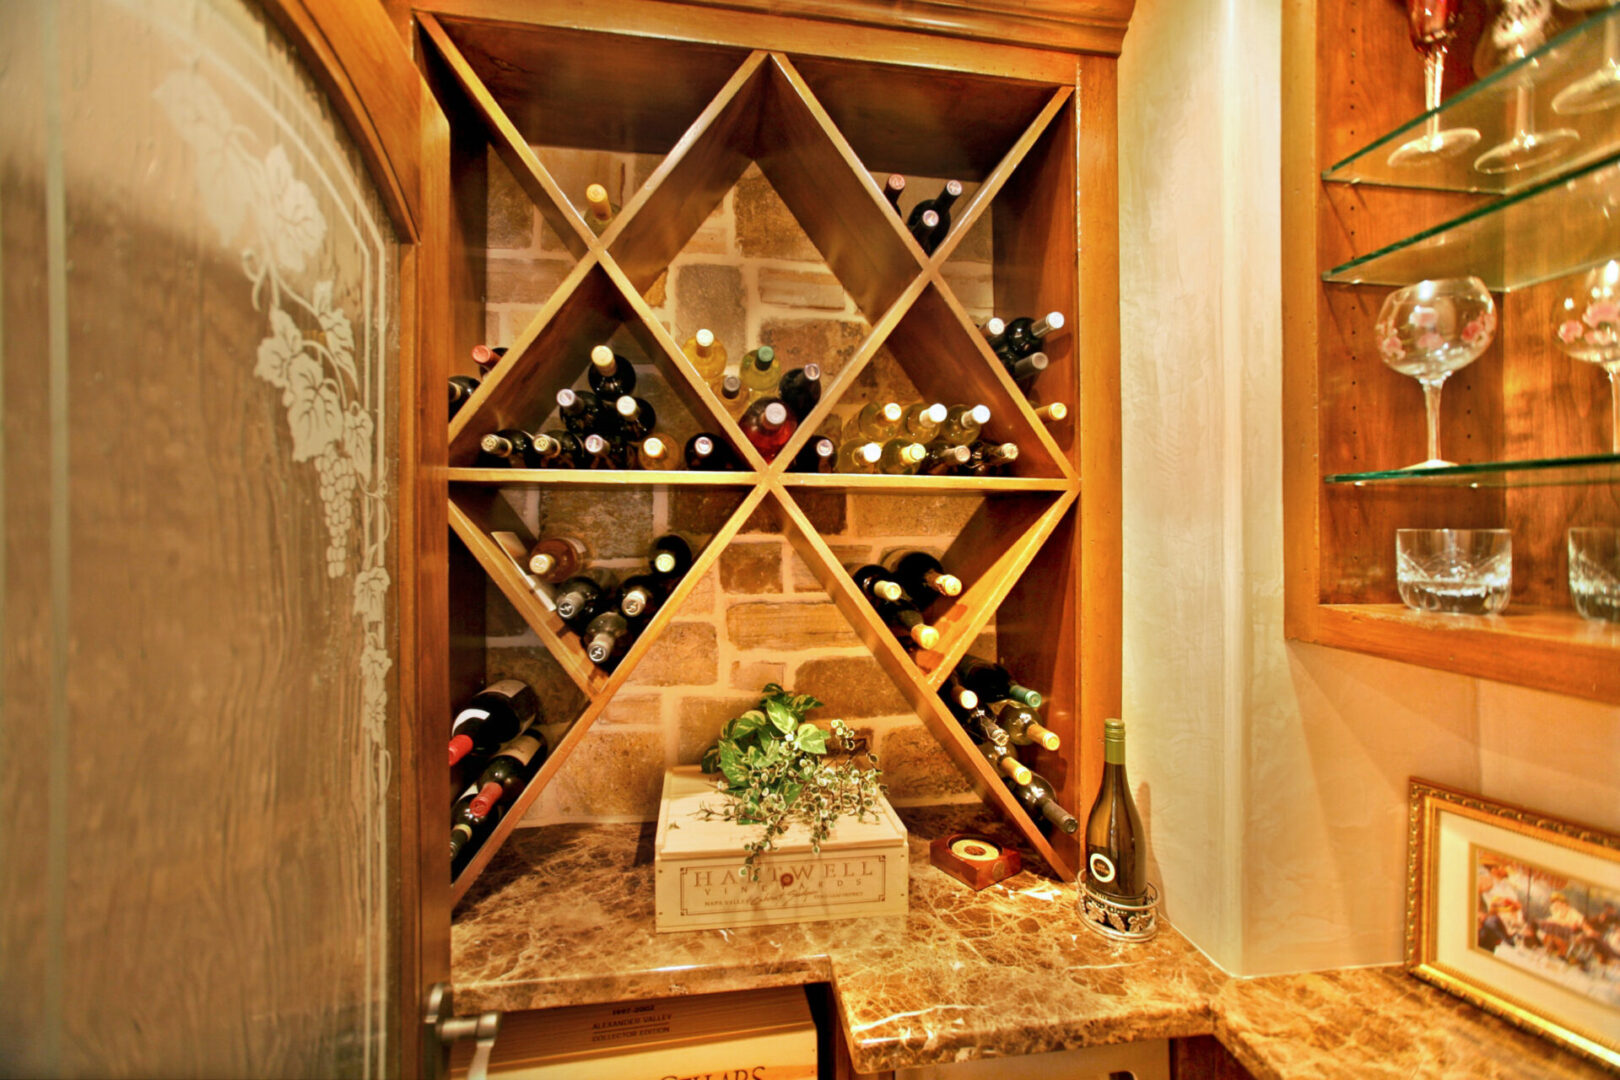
[441, 1028]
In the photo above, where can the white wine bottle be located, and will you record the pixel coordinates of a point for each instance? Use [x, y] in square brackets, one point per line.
[1116, 855]
[706, 354]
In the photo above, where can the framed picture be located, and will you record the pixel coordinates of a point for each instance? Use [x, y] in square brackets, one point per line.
[1517, 913]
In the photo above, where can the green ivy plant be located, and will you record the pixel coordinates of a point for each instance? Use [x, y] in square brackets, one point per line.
[775, 769]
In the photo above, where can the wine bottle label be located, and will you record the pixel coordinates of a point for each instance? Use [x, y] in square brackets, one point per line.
[523, 748]
[1101, 867]
[508, 688]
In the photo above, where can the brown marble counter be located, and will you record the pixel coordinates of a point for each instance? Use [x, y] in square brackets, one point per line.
[564, 916]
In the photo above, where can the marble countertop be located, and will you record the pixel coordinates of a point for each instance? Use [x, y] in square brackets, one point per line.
[564, 916]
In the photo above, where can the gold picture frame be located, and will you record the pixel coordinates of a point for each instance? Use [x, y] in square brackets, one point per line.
[1518, 913]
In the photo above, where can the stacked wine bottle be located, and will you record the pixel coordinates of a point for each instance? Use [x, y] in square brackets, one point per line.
[921, 438]
[607, 616]
[769, 399]
[496, 747]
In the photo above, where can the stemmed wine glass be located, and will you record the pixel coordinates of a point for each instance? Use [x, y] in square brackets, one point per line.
[1590, 331]
[1432, 24]
[1517, 29]
[1600, 89]
[1431, 329]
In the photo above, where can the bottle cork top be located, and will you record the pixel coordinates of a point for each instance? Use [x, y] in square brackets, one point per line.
[602, 357]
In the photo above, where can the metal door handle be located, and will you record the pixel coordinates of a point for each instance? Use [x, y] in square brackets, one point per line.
[440, 1029]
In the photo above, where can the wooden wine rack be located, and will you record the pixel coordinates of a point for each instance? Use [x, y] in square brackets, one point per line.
[1044, 563]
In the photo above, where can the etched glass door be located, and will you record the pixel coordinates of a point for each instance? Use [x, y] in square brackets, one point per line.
[199, 355]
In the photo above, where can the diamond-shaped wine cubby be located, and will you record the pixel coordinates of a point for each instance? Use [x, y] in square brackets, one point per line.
[670, 129]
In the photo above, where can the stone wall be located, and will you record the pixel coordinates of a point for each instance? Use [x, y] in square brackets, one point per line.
[751, 275]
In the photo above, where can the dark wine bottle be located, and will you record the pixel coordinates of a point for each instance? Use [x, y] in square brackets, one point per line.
[768, 425]
[557, 450]
[924, 577]
[606, 638]
[922, 225]
[1025, 335]
[892, 187]
[508, 448]
[800, 390]
[907, 623]
[876, 584]
[943, 458]
[611, 375]
[636, 417]
[495, 714]
[508, 771]
[992, 682]
[582, 411]
[486, 357]
[1022, 725]
[604, 453]
[1116, 859]
[467, 834]
[578, 601]
[639, 596]
[462, 388]
[990, 459]
[1039, 797]
[706, 450]
[993, 328]
[1025, 368]
[819, 455]
[972, 715]
[670, 558]
[1005, 763]
[941, 206]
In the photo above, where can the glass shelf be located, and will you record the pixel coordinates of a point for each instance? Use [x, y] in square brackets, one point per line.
[1542, 233]
[1488, 106]
[1540, 472]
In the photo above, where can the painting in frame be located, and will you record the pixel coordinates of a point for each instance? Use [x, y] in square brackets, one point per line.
[1518, 913]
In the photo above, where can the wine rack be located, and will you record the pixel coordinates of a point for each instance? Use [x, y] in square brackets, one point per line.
[1043, 556]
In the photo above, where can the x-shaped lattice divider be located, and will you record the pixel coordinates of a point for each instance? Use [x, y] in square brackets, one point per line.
[766, 114]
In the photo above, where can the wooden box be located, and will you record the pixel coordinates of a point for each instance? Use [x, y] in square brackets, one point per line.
[768, 1034]
[862, 869]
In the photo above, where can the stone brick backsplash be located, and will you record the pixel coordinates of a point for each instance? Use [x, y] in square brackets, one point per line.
[758, 615]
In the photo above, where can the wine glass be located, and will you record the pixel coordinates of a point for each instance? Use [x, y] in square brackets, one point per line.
[1590, 331]
[1431, 25]
[1517, 29]
[1600, 89]
[1430, 329]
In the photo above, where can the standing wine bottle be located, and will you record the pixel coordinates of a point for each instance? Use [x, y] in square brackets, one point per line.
[1025, 335]
[924, 577]
[495, 714]
[581, 411]
[509, 448]
[604, 453]
[992, 682]
[768, 425]
[606, 638]
[670, 557]
[875, 583]
[706, 451]
[611, 375]
[598, 210]
[1116, 859]
[706, 354]
[800, 390]
[655, 454]
[907, 623]
[578, 601]
[1005, 763]
[636, 417]
[892, 187]
[1039, 797]
[1054, 413]
[760, 372]
[922, 226]
[1022, 725]
[557, 450]
[508, 771]
[819, 455]
[900, 457]
[921, 422]
[879, 421]
[943, 458]
[557, 558]
[963, 424]
[859, 456]
[639, 596]
[462, 388]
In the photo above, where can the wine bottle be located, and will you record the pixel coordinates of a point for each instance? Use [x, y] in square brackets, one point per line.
[1039, 797]
[611, 375]
[1022, 725]
[706, 354]
[604, 453]
[921, 422]
[992, 328]
[922, 226]
[879, 421]
[1005, 763]
[963, 423]
[800, 390]
[508, 771]
[670, 558]
[557, 450]
[654, 453]
[925, 577]
[1116, 864]
[907, 622]
[731, 387]
[900, 457]
[495, 714]
[462, 388]
[993, 683]
[875, 583]
[557, 558]
[1025, 335]
[578, 601]
[819, 455]
[706, 451]
[486, 358]
[768, 425]
[467, 833]
[1054, 413]
[598, 211]
[509, 448]
[972, 715]
[1025, 368]
[582, 411]
[859, 456]
[760, 372]
[639, 596]
[943, 458]
[941, 206]
[636, 417]
[606, 638]
[892, 187]
[990, 459]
